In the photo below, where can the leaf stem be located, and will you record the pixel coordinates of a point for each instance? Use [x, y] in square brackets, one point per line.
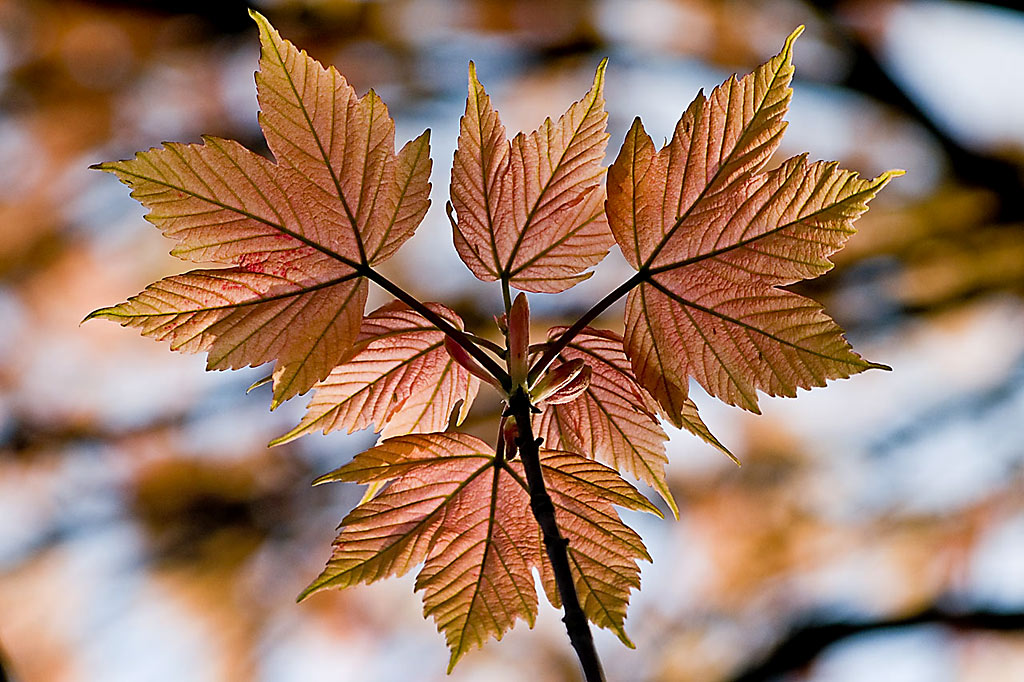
[557, 345]
[576, 623]
[457, 335]
[506, 294]
[486, 343]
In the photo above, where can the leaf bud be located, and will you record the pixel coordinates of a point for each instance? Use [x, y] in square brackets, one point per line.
[519, 340]
[571, 389]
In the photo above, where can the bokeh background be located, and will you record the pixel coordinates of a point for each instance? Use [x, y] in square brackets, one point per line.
[875, 531]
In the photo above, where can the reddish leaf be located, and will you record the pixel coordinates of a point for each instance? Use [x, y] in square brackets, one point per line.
[399, 377]
[298, 234]
[530, 212]
[614, 419]
[713, 237]
[465, 516]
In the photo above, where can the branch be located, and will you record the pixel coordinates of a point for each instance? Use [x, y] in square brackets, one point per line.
[558, 345]
[458, 336]
[806, 642]
[576, 624]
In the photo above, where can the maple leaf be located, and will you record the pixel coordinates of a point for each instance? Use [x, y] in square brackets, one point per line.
[300, 235]
[531, 212]
[464, 514]
[713, 237]
[614, 419]
[398, 376]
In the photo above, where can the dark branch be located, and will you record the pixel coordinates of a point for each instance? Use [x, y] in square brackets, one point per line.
[805, 643]
[575, 620]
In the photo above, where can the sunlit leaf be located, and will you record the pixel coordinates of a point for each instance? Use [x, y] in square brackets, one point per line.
[713, 237]
[603, 551]
[466, 517]
[298, 234]
[398, 377]
[531, 211]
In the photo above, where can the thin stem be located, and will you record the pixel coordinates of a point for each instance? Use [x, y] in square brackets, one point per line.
[557, 345]
[506, 294]
[486, 343]
[460, 337]
[576, 623]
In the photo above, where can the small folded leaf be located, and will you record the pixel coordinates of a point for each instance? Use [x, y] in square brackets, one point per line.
[558, 378]
[467, 362]
[519, 340]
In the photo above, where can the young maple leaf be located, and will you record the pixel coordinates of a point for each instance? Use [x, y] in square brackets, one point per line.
[531, 212]
[300, 234]
[713, 237]
[398, 376]
[614, 419]
[464, 514]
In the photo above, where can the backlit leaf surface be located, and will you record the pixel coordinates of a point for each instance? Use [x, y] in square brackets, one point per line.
[714, 236]
[611, 419]
[398, 377]
[450, 506]
[297, 234]
[603, 551]
[531, 211]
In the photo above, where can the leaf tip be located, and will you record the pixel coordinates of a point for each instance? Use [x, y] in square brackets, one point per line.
[259, 382]
[599, 76]
[98, 313]
[313, 587]
[281, 440]
[260, 20]
[320, 480]
[888, 175]
[787, 49]
[878, 365]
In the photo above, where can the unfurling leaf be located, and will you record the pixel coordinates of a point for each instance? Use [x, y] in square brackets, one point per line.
[563, 384]
[452, 506]
[519, 340]
[399, 377]
[297, 235]
[531, 212]
[713, 237]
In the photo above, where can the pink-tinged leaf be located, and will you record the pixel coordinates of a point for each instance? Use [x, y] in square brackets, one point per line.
[451, 506]
[531, 211]
[343, 144]
[248, 317]
[603, 551]
[399, 377]
[614, 419]
[298, 233]
[394, 531]
[718, 142]
[713, 236]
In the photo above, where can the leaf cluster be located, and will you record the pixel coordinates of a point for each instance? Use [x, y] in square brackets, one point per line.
[713, 233]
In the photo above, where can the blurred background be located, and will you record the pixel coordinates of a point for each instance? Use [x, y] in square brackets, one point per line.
[875, 531]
